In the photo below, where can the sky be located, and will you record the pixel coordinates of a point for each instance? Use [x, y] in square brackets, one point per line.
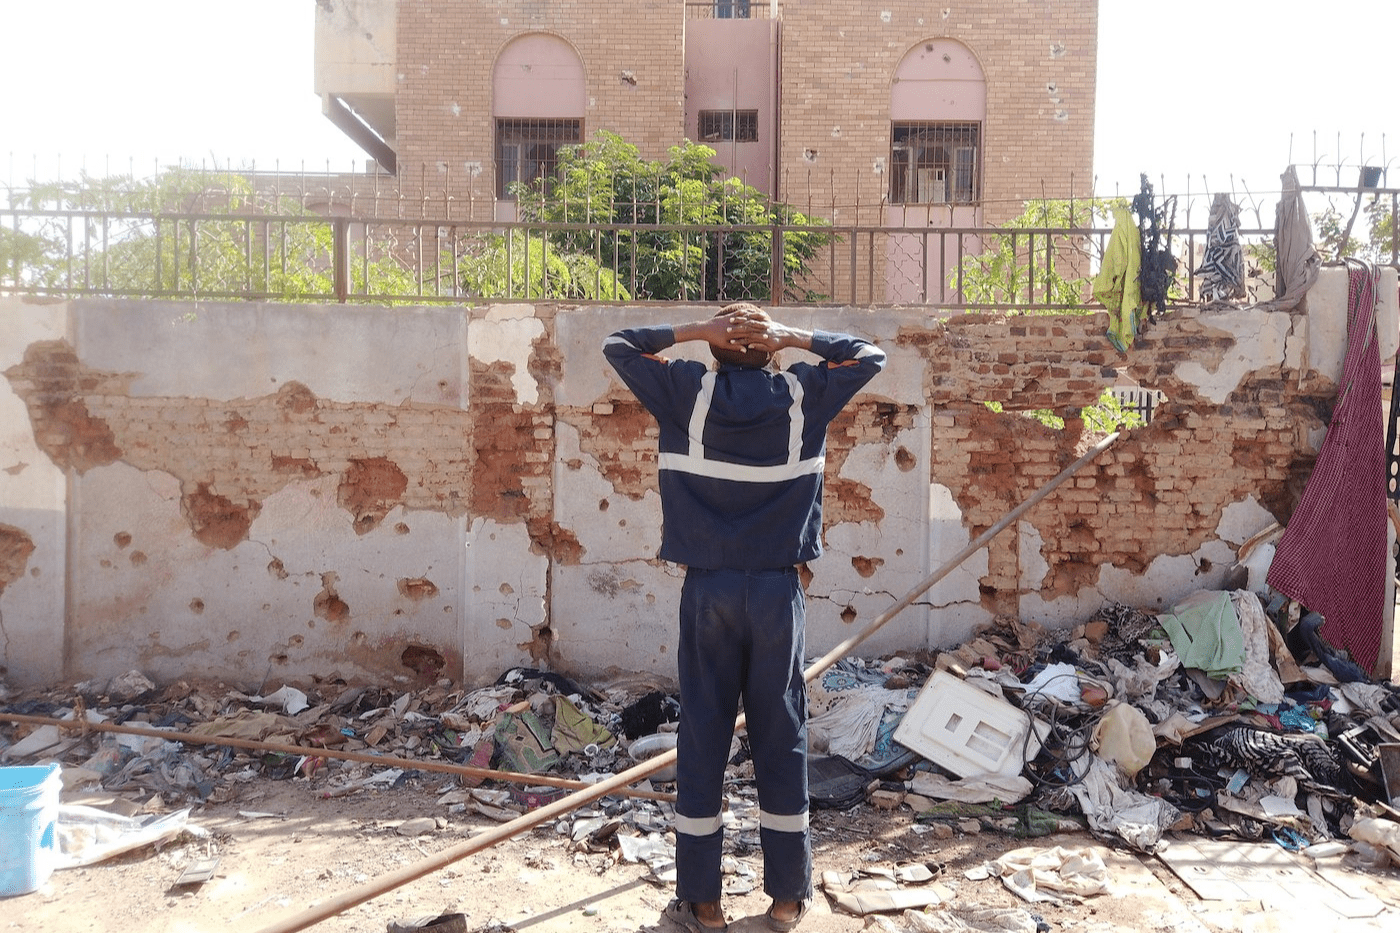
[1202, 95]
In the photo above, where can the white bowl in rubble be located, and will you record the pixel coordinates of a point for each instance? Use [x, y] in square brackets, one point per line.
[649, 746]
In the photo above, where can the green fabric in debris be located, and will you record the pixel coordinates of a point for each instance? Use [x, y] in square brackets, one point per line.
[1206, 634]
[574, 731]
[524, 743]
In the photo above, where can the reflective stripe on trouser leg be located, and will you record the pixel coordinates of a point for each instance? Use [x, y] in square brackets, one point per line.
[710, 661]
[775, 699]
[741, 634]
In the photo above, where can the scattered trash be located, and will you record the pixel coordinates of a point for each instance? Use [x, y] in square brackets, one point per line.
[965, 920]
[129, 686]
[1222, 870]
[967, 730]
[1384, 834]
[837, 783]
[417, 826]
[649, 746]
[40, 740]
[87, 835]
[28, 811]
[524, 743]
[868, 893]
[1389, 755]
[197, 872]
[1124, 737]
[1054, 875]
[982, 789]
[440, 923]
[291, 700]
[1226, 717]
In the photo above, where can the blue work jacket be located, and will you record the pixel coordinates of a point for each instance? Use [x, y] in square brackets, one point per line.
[741, 450]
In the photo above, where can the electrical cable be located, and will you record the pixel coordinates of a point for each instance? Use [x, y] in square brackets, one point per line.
[1063, 743]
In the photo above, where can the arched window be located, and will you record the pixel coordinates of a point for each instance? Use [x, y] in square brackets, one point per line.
[538, 99]
[938, 102]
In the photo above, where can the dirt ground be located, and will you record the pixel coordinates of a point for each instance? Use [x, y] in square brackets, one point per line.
[283, 847]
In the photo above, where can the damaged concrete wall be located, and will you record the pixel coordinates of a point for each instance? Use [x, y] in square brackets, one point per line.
[259, 493]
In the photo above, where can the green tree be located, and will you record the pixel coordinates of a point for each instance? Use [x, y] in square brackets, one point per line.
[1039, 257]
[1376, 240]
[603, 185]
[180, 233]
[1103, 417]
[519, 265]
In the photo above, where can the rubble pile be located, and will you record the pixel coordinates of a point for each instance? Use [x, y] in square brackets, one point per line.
[1225, 717]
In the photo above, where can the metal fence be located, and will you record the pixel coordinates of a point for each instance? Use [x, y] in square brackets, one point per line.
[273, 248]
[261, 257]
[1138, 400]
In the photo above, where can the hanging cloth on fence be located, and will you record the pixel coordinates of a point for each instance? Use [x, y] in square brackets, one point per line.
[1117, 285]
[1297, 262]
[1222, 266]
[1332, 557]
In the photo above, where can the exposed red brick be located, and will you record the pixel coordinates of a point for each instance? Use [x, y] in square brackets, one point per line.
[15, 548]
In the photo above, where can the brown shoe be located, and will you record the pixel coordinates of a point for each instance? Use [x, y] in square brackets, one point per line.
[782, 926]
[683, 913]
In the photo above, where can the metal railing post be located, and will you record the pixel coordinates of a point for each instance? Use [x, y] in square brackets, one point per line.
[340, 257]
[775, 269]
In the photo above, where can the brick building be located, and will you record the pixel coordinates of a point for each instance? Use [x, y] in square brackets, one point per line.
[909, 114]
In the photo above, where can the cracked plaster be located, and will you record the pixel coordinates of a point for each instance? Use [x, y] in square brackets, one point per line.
[628, 529]
[1240, 521]
[1260, 342]
[33, 491]
[372, 357]
[947, 536]
[898, 568]
[506, 584]
[506, 334]
[149, 585]
[616, 607]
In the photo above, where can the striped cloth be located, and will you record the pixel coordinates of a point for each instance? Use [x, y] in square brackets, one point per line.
[1332, 557]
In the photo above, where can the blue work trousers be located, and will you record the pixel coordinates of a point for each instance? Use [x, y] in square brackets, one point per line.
[741, 636]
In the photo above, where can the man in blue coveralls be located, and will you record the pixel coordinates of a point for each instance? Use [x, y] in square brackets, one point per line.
[742, 450]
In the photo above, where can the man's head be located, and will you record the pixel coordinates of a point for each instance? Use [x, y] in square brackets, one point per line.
[750, 358]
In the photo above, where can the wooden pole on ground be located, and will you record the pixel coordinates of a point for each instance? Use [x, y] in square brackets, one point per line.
[387, 882]
[388, 761]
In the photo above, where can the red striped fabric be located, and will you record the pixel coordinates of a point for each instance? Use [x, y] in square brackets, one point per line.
[1332, 557]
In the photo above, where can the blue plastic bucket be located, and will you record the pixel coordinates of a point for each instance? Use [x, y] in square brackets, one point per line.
[28, 827]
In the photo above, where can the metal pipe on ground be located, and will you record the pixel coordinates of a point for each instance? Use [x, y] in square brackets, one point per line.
[388, 761]
[387, 882]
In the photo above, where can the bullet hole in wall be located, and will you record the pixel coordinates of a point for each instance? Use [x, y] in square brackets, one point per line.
[424, 661]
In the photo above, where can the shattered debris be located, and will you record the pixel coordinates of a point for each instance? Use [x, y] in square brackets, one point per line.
[1224, 719]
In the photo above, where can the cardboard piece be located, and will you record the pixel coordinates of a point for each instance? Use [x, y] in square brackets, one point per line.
[1264, 872]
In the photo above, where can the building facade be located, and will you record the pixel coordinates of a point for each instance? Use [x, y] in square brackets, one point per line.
[907, 116]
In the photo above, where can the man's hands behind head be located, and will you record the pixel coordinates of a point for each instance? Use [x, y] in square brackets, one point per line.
[752, 328]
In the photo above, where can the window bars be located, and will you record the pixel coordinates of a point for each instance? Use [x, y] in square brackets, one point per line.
[935, 163]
